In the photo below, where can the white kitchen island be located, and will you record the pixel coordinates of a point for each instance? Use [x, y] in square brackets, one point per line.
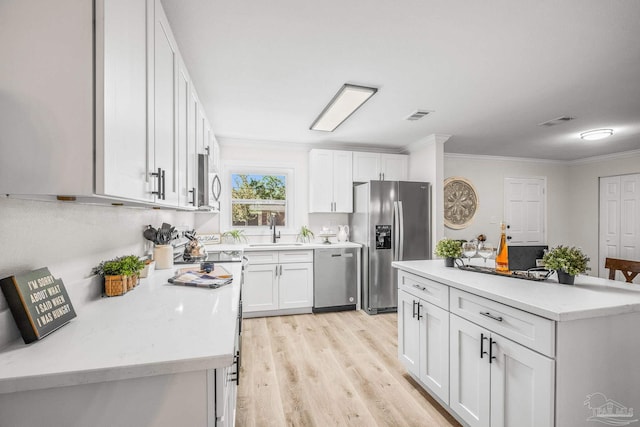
[500, 351]
[160, 355]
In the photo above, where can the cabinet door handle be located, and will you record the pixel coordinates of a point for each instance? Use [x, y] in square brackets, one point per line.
[164, 186]
[491, 316]
[491, 343]
[383, 176]
[413, 316]
[419, 316]
[159, 183]
[482, 352]
[193, 196]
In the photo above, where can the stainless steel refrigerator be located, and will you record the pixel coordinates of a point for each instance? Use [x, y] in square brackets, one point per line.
[392, 219]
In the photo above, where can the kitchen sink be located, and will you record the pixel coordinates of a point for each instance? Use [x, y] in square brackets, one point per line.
[257, 245]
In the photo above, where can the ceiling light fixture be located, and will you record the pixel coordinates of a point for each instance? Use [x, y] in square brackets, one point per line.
[348, 99]
[595, 134]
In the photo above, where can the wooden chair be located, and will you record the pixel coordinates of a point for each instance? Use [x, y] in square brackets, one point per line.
[630, 269]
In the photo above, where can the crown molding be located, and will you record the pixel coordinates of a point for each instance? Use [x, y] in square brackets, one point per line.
[502, 158]
[604, 157]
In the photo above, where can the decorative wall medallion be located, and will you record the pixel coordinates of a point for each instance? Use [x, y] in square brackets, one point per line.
[460, 202]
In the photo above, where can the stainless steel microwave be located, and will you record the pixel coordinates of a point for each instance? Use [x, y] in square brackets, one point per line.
[209, 186]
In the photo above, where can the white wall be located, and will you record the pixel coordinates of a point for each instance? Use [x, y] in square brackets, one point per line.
[487, 175]
[70, 239]
[583, 197]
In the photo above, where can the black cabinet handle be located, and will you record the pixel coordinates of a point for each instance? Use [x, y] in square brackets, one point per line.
[419, 315]
[491, 343]
[413, 315]
[193, 196]
[491, 316]
[482, 352]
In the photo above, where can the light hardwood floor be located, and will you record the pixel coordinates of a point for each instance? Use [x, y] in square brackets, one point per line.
[332, 369]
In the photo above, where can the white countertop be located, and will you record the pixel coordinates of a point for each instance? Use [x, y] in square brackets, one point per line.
[156, 328]
[589, 297]
[246, 247]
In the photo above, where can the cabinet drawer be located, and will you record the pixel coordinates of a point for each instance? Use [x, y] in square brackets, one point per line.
[262, 257]
[295, 256]
[524, 328]
[428, 290]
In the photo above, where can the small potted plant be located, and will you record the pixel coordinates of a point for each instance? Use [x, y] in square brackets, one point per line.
[120, 274]
[305, 235]
[131, 266]
[567, 262]
[234, 236]
[449, 249]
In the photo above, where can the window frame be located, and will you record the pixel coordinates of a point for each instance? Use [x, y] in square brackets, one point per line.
[246, 168]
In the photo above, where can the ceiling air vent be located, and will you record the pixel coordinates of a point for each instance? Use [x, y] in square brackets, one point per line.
[417, 115]
[556, 121]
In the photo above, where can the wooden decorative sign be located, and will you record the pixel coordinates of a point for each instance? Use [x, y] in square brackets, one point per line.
[39, 303]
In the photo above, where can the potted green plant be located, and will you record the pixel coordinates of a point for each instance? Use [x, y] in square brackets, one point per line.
[305, 234]
[234, 236]
[449, 249]
[131, 267]
[567, 262]
[120, 274]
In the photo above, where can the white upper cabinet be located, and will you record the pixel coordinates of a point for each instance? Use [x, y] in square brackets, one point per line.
[378, 167]
[330, 181]
[121, 99]
[187, 172]
[165, 79]
[135, 148]
[47, 125]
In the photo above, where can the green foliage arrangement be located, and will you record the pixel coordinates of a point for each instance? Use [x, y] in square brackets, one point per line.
[128, 265]
[235, 236]
[305, 234]
[571, 260]
[449, 248]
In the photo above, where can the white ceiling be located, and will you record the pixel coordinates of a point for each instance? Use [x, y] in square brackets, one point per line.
[490, 70]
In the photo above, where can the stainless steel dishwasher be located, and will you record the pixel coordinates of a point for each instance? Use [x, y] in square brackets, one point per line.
[335, 279]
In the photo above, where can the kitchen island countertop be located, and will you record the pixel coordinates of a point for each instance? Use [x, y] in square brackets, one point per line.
[157, 328]
[589, 297]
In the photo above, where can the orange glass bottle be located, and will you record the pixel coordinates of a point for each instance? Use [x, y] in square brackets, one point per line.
[502, 257]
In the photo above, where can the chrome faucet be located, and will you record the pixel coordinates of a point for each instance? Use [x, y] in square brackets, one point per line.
[272, 226]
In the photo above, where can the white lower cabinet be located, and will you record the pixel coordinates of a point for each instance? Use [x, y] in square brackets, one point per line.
[496, 382]
[278, 282]
[448, 339]
[423, 342]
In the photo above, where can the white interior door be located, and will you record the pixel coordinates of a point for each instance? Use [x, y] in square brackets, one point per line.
[619, 234]
[629, 217]
[609, 221]
[525, 201]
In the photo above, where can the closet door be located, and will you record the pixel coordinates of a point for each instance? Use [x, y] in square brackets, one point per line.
[629, 217]
[619, 220]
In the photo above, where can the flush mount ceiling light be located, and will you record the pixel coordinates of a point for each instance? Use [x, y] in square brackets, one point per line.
[595, 134]
[348, 99]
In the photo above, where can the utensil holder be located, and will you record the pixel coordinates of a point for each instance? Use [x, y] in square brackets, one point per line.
[163, 256]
